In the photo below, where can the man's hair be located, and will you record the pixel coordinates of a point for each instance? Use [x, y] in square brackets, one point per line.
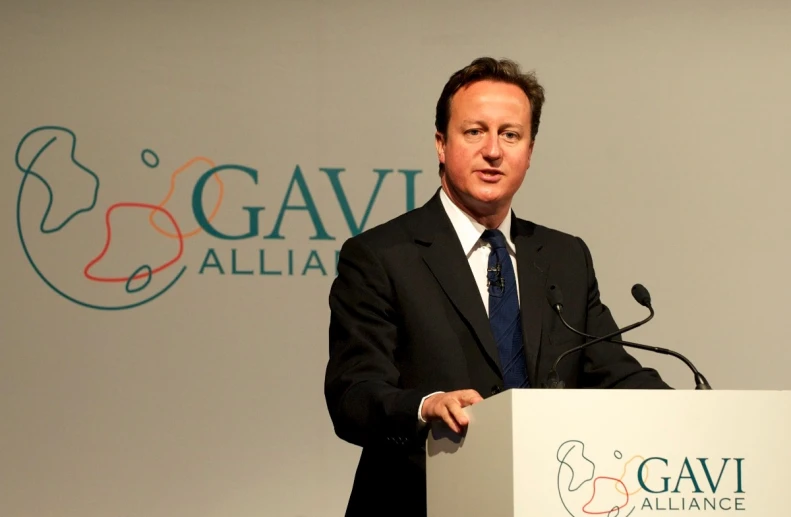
[490, 69]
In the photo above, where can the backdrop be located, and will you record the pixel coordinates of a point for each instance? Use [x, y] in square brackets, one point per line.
[177, 178]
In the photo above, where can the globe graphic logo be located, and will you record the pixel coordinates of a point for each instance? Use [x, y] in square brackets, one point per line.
[597, 483]
[100, 251]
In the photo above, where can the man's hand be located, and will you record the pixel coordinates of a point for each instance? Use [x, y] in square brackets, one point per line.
[448, 408]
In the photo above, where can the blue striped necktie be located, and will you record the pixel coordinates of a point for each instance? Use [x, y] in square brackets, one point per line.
[504, 316]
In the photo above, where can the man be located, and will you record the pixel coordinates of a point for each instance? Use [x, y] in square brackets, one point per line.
[446, 304]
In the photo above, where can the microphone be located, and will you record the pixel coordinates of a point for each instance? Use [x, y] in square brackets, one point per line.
[555, 297]
[641, 295]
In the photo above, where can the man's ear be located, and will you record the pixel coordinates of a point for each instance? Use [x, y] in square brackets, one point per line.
[439, 141]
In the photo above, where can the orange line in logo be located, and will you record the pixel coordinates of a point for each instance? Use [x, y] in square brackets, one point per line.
[144, 274]
[607, 512]
[173, 188]
[620, 481]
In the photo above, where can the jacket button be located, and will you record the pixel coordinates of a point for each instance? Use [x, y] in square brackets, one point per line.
[496, 389]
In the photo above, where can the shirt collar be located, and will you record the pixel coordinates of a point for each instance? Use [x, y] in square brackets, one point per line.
[468, 229]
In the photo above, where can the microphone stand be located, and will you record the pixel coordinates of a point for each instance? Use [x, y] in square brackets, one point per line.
[641, 295]
[700, 380]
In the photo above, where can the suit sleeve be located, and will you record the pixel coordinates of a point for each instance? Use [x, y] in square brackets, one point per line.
[608, 365]
[361, 385]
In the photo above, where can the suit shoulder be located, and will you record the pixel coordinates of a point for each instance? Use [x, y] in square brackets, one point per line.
[547, 235]
[393, 232]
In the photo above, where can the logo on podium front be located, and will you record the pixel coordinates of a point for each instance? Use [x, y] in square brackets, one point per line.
[612, 483]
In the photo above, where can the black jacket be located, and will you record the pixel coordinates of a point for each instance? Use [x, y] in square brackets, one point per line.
[407, 320]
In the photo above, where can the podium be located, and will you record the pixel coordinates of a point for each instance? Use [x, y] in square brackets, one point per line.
[615, 453]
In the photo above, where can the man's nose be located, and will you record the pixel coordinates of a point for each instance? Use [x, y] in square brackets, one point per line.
[491, 148]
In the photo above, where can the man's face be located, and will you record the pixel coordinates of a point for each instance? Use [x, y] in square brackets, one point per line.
[487, 149]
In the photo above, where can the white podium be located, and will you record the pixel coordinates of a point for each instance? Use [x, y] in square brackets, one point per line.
[615, 453]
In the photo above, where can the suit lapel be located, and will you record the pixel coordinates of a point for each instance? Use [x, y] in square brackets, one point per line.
[443, 254]
[533, 273]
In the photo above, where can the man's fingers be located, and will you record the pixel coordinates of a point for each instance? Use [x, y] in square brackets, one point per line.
[446, 414]
[448, 408]
[453, 415]
[450, 422]
[469, 397]
[459, 416]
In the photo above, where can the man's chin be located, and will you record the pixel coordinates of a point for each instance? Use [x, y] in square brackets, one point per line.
[481, 200]
[488, 197]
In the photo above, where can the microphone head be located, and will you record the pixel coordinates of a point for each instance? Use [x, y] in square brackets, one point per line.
[555, 297]
[641, 295]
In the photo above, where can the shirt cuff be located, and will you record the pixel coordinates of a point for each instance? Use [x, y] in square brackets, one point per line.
[420, 407]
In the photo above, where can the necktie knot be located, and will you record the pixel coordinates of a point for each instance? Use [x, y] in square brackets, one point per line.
[495, 238]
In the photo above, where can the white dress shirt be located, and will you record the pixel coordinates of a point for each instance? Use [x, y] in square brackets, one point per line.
[477, 251]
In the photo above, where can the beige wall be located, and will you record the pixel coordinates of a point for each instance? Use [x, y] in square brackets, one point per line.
[663, 144]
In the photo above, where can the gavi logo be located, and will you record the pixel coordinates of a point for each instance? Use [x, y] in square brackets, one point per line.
[614, 485]
[117, 247]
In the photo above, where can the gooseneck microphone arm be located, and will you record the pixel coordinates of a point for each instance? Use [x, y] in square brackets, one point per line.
[641, 295]
[700, 381]
[555, 297]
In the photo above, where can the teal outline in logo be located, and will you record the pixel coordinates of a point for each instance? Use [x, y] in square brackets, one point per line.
[562, 462]
[27, 172]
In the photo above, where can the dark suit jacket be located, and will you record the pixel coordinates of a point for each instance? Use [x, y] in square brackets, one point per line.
[407, 320]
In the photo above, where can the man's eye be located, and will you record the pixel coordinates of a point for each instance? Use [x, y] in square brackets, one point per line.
[474, 132]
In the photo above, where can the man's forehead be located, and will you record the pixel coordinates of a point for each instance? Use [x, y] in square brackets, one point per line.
[483, 93]
[513, 123]
[490, 100]
[487, 85]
